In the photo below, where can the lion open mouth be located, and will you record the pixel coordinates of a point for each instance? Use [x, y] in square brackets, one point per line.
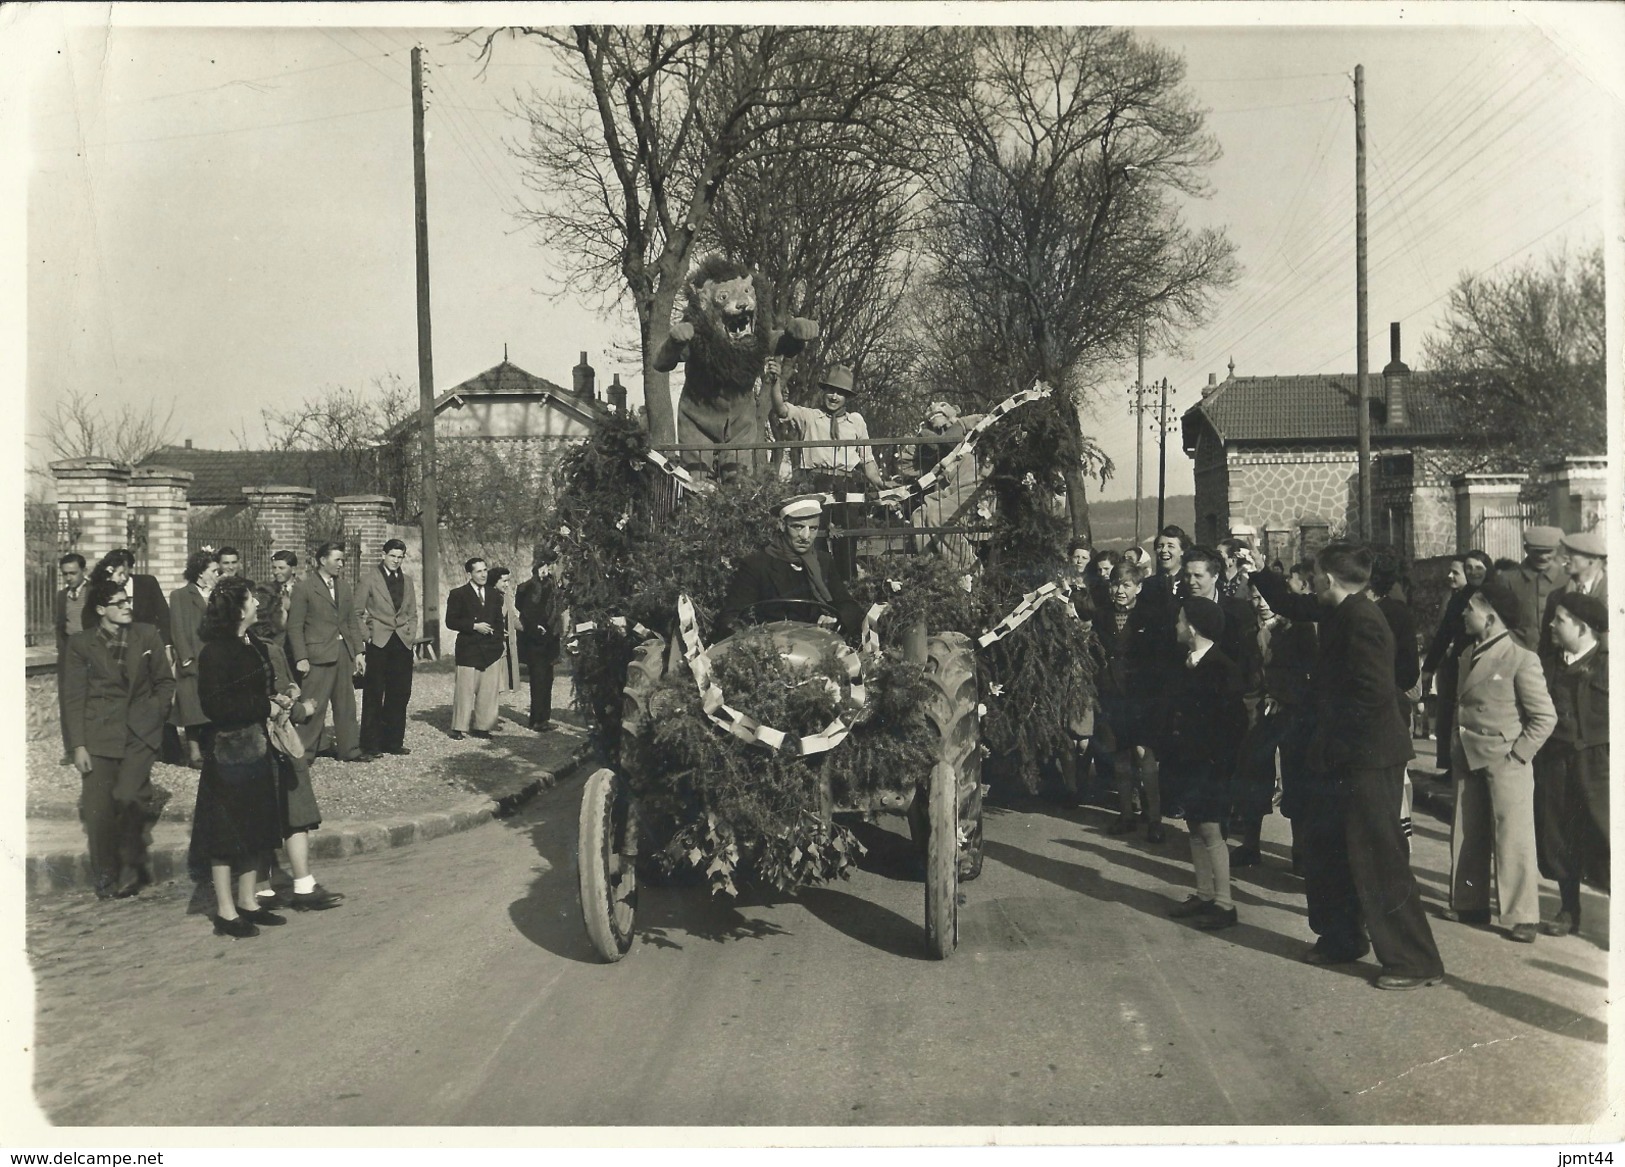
[739, 324]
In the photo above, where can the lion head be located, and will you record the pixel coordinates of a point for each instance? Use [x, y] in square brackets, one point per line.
[728, 346]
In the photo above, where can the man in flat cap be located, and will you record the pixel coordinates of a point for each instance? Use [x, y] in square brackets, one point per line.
[1571, 770]
[838, 469]
[791, 567]
[1532, 584]
[1584, 556]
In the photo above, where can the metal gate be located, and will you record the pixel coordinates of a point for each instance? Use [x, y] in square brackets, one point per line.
[1500, 536]
[237, 528]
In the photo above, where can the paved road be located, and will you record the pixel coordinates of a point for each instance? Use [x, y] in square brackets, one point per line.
[456, 987]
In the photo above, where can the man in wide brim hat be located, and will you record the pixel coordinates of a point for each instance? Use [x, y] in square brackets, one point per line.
[841, 467]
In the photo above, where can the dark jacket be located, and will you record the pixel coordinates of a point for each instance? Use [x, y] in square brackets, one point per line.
[147, 606]
[1450, 637]
[476, 650]
[1357, 720]
[1205, 719]
[1239, 640]
[541, 613]
[235, 682]
[1288, 672]
[761, 577]
[68, 616]
[1402, 623]
[188, 608]
[1132, 665]
[1580, 696]
[105, 705]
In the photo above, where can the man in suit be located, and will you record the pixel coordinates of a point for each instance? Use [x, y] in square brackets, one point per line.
[791, 568]
[540, 615]
[146, 593]
[1571, 770]
[388, 604]
[1533, 582]
[1584, 556]
[1356, 860]
[1503, 716]
[66, 616]
[474, 612]
[117, 689]
[328, 649]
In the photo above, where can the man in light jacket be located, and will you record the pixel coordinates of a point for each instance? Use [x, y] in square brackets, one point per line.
[1503, 716]
[388, 606]
[325, 635]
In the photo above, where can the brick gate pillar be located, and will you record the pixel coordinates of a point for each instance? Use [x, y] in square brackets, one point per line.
[93, 495]
[158, 494]
[279, 511]
[1577, 492]
[366, 520]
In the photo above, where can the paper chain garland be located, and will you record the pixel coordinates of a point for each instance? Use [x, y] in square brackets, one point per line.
[1019, 615]
[928, 483]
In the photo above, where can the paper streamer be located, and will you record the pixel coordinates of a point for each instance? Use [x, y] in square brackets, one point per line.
[1019, 615]
[745, 727]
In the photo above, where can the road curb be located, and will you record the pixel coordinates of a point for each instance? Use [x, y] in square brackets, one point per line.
[65, 870]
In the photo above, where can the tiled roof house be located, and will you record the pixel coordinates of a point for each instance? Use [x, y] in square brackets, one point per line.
[1279, 456]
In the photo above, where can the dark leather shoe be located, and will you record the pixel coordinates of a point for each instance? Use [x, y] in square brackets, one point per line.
[1319, 955]
[1388, 981]
[357, 759]
[238, 928]
[261, 916]
[1466, 915]
[1245, 857]
[400, 752]
[482, 734]
[1155, 833]
[1191, 906]
[1122, 826]
[1562, 924]
[318, 899]
[1523, 933]
[1215, 918]
[456, 735]
[276, 899]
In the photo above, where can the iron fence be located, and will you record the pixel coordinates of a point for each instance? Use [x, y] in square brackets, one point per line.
[951, 521]
[239, 529]
[1500, 536]
[46, 538]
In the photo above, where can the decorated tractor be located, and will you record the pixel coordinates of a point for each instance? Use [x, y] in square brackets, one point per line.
[645, 817]
[751, 759]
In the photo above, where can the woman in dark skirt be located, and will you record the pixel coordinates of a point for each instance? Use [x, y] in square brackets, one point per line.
[300, 814]
[237, 820]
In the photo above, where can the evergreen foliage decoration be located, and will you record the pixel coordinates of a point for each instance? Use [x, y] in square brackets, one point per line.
[1035, 684]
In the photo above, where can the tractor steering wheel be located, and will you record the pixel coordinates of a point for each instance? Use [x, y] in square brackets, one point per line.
[750, 615]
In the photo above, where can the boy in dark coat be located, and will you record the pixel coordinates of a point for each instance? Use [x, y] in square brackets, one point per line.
[1571, 770]
[1205, 723]
[1128, 730]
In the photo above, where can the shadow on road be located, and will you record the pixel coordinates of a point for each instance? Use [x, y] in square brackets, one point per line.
[1531, 1010]
[1076, 877]
[549, 915]
[1182, 878]
[889, 854]
[867, 922]
[1574, 974]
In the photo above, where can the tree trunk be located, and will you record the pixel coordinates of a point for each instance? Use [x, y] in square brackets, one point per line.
[657, 384]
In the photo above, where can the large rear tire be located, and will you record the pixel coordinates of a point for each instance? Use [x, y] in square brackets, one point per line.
[606, 877]
[942, 865]
[643, 673]
[950, 666]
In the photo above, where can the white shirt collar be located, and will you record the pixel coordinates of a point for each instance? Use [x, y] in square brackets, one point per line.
[1195, 655]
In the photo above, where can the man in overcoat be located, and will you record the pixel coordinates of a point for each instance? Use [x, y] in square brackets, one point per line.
[1534, 580]
[474, 612]
[66, 619]
[324, 631]
[541, 614]
[117, 686]
[1356, 859]
[388, 606]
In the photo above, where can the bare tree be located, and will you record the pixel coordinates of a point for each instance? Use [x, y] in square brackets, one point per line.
[341, 430]
[1523, 356]
[629, 158]
[81, 426]
[1056, 232]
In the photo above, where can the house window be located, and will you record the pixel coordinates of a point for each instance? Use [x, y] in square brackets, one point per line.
[1392, 467]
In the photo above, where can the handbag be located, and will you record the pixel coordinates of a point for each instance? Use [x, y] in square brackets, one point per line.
[284, 738]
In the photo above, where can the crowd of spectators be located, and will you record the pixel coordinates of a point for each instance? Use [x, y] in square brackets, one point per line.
[1227, 690]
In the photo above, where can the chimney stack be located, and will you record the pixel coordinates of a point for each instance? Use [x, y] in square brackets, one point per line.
[1212, 385]
[617, 395]
[582, 378]
[188, 443]
[1394, 375]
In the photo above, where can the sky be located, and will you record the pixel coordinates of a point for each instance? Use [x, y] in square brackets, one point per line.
[222, 217]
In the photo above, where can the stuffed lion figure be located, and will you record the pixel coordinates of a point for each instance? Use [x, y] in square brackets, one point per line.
[724, 344]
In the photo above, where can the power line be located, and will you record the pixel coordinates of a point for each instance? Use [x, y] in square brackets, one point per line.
[245, 129]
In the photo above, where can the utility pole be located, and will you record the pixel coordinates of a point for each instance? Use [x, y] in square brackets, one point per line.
[1162, 456]
[431, 504]
[1362, 420]
[1139, 432]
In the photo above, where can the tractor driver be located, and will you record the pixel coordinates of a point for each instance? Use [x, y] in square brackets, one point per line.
[791, 567]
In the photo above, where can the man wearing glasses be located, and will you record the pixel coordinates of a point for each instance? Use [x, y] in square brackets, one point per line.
[116, 691]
